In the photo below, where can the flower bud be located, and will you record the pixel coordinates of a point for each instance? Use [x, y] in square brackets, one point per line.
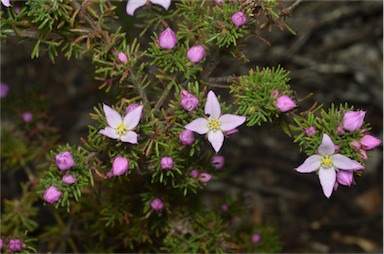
[256, 238]
[218, 161]
[196, 53]
[188, 101]
[369, 142]
[284, 103]
[353, 120]
[230, 132]
[195, 173]
[219, 1]
[239, 19]
[355, 145]
[310, 130]
[131, 107]
[362, 154]
[340, 130]
[15, 245]
[69, 179]
[27, 117]
[52, 194]
[186, 137]
[157, 204]
[167, 39]
[1, 243]
[224, 207]
[119, 166]
[166, 163]
[64, 160]
[4, 90]
[205, 177]
[344, 177]
[275, 93]
[337, 148]
[122, 57]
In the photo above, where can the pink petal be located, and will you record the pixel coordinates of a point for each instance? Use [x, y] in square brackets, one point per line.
[6, 3]
[132, 119]
[342, 162]
[109, 132]
[216, 138]
[229, 122]
[130, 137]
[164, 3]
[132, 5]
[113, 118]
[199, 125]
[326, 146]
[327, 177]
[212, 106]
[311, 164]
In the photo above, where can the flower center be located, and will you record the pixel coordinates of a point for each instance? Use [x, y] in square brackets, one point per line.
[121, 129]
[326, 161]
[214, 124]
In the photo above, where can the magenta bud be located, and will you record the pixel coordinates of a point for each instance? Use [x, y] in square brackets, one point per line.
[122, 57]
[52, 194]
[219, 1]
[256, 238]
[355, 145]
[187, 137]
[205, 177]
[362, 154]
[167, 39]
[4, 90]
[224, 207]
[15, 245]
[340, 130]
[157, 204]
[369, 142]
[196, 53]
[1, 244]
[337, 148]
[195, 173]
[353, 120]
[344, 177]
[218, 161]
[188, 101]
[239, 19]
[284, 103]
[275, 93]
[27, 117]
[64, 160]
[131, 107]
[17, 10]
[166, 163]
[310, 130]
[69, 179]
[119, 166]
[230, 132]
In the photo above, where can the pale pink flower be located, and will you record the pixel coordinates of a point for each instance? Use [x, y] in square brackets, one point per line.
[121, 128]
[6, 3]
[119, 166]
[52, 194]
[215, 124]
[167, 39]
[353, 120]
[132, 5]
[327, 163]
[285, 103]
[369, 142]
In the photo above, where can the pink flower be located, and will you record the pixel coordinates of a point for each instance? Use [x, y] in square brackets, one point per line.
[239, 19]
[121, 128]
[6, 3]
[369, 142]
[4, 90]
[132, 5]
[218, 161]
[205, 177]
[327, 163]
[166, 163]
[64, 161]
[52, 194]
[256, 238]
[196, 53]
[27, 117]
[157, 205]
[120, 166]
[15, 245]
[189, 102]
[284, 103]
[344, 177]
[310, 131]
[195, 173]
[186, 137]
[69, 179]
[215, 124]
[131, 107]
[167, 39]
[122, 57]
[353, 120]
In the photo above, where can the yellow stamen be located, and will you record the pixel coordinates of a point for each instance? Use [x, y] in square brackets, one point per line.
[326, 161]
[214, 125]
[121, 129]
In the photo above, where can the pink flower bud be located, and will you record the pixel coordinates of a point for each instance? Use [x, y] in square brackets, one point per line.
[218, 161]
[224, 207]
[15, 245]
[369, 142]
[344, 177]
[284, 103]
[167, 39]
[188, 101]
[69, 179]
[337, 148]
[120, 166]
[166, 163]
[239, 19]
[1, 244]
[275, 93]
[353, 120]
[157, 204]
[219, 1]
[27, 117]
[355, 145]
[4, 90]
[310, 131]
[340, 130]
[64, 161]
[362, 154]
[122, 57]
[196, 53]
[186, 137]
[17, 10]
[109, 174]
[256, 238]
[195, 173]
[131, 107]
[52, 194]
[205, 177]
[230, 132]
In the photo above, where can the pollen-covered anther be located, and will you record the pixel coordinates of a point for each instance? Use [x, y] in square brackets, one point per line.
[214, 125]
[326, 161]
[121, 129]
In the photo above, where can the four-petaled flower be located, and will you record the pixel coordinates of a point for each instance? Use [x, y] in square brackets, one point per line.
[121, 128]
[215, 124]
[328, 163]
[7, 3]
[132, 5]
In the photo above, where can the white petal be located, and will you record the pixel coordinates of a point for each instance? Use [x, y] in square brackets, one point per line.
[132, 5]
[132, 119]
[229, 122]
[130, 137]
[342, 162]
[113, 118]
[326, 146]
[6, 3]
[109, 132]
[311, 164]
[327, 177]
[212, 106]
[216, 138]
[164, 3]
[199, 125]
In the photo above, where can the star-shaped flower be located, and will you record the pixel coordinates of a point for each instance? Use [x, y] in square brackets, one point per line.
[328, 163]
[121, 128]
[132, 5]
[215, 124]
